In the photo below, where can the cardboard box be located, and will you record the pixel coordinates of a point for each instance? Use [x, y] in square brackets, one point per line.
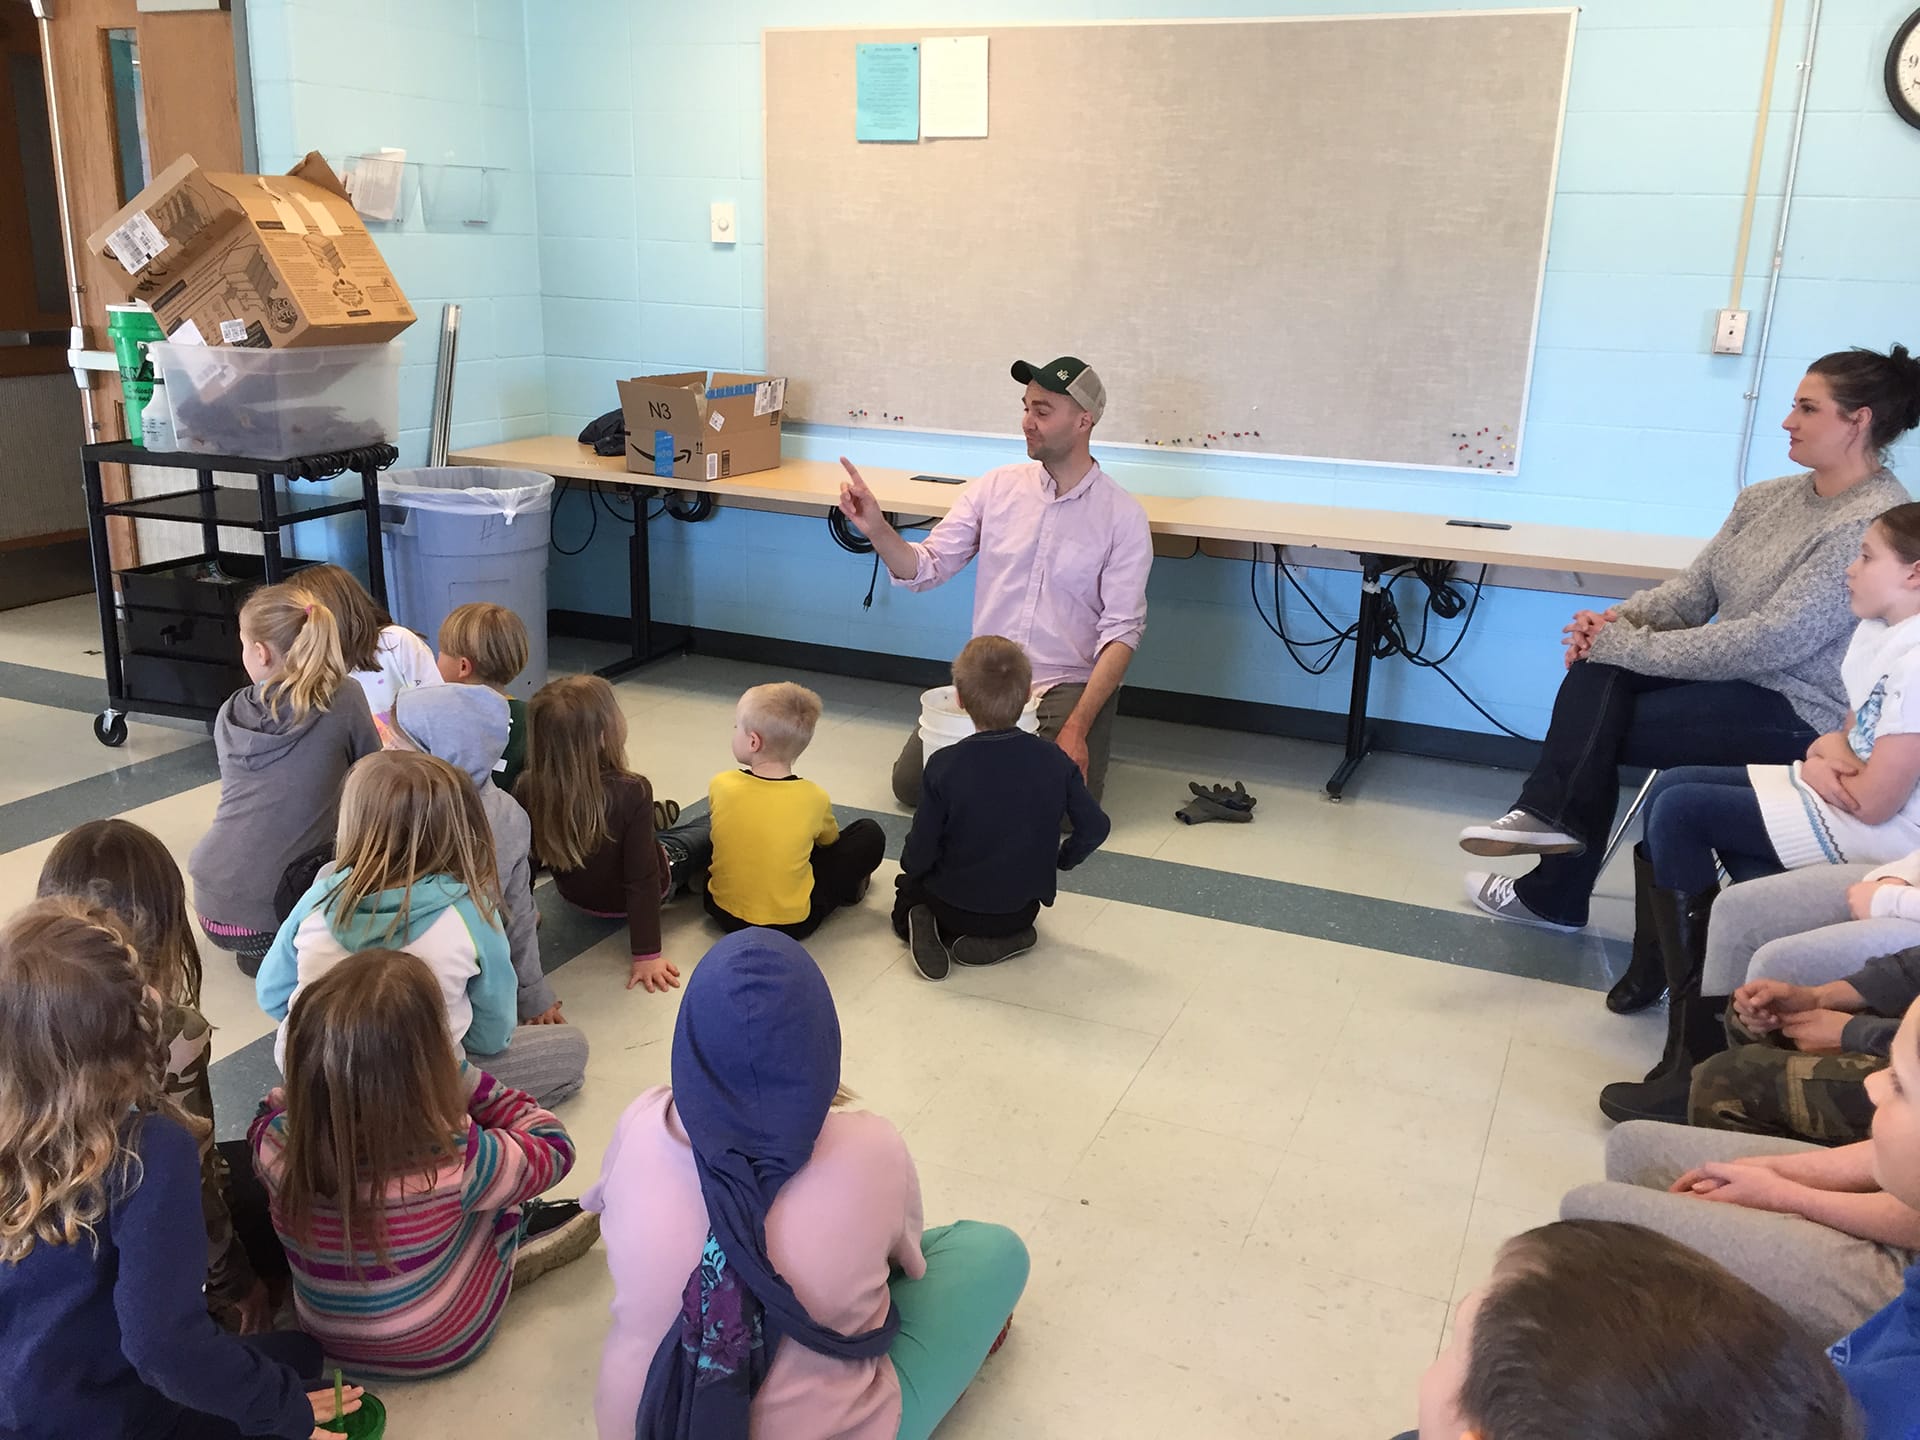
[270, 262]
[690, 427]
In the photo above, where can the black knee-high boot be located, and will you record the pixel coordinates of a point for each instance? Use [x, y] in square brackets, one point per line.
[1695, 1022]
[1646, 977]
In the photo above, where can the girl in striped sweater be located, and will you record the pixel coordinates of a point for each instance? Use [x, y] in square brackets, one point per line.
[403, 1180]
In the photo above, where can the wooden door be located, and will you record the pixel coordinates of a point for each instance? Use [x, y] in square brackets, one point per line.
[130, 93]
[33, 300]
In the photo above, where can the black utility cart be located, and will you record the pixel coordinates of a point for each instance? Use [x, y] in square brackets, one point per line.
[176, 648]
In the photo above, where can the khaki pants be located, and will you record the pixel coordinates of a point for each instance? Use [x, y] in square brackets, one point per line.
[1055, 706]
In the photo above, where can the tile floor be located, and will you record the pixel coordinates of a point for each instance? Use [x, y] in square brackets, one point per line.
[1254, 1166]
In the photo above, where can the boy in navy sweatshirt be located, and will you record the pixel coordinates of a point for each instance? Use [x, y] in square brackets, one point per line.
[986, 842]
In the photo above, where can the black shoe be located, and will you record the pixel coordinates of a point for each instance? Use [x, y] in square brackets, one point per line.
[1696, 1025]
[930, 955]
[979, 950]
[1646, 978]
[1662, 1098]
[1697, 1031]
[556, 1233]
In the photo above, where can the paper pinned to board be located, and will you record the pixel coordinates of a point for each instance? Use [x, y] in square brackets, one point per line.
[887, 92]
[953, 87]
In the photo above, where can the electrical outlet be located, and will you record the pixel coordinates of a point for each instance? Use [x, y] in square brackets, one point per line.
[720, 221]
[1730, 332]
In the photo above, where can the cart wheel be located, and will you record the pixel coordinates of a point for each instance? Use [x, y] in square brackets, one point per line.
[110, 728]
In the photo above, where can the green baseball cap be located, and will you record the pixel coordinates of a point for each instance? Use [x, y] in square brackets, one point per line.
[1066, 376]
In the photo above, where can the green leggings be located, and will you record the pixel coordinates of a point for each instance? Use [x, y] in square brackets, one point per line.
[950, 1317]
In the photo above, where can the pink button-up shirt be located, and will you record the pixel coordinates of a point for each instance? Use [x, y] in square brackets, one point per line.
[1062, 576]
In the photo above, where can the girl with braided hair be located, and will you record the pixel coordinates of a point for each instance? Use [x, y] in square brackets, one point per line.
[125, 869]
[104, 1328]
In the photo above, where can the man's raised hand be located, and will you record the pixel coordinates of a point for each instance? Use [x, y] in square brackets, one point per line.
[857, 502]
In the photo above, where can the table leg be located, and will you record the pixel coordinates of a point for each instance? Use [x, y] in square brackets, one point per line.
[1373, 601]
[646, 641]
[103, 583]
[209, 516]
[270, 529]
[376, 558]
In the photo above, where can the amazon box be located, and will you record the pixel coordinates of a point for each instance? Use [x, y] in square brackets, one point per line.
[694, 426]
[267, 261]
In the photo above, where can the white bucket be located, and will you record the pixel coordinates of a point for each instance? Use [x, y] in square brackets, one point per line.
[942, 721]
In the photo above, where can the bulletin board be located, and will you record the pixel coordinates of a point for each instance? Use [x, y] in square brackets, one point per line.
[1317, 237]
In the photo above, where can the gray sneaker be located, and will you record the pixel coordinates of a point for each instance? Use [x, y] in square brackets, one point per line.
[1494, 895]
[1518, 832]
[978, 950]
[556, 1233]
[930, 955]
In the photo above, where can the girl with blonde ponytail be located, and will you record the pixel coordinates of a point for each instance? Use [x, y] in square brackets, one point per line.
[103, 1326]
[285, 745]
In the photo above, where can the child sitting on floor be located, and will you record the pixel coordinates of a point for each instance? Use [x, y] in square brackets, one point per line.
[1613, 1332]
[748, 1190]
[120, 867]
[1812, 1228]
[466, 725]
[985, 846]
[285, 745]
[594, 821]
[1880, 1361]
[779, 858]
[486, 644]
[383, 657]
[104, 1329]
[416, 869]
[403, 1181]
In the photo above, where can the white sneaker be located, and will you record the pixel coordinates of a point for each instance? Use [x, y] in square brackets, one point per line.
[1494, 895]
[1518, 832]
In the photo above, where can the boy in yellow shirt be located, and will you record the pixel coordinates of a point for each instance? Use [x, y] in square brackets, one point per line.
[779, 858]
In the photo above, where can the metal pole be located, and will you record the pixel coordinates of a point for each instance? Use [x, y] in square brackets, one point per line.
[69, 241]
[442, 423]
[1779, 246]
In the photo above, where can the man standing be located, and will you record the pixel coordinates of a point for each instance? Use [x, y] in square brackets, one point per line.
[1064, 555]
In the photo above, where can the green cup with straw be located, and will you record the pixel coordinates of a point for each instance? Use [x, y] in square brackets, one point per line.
[369, 1422]
[131, 328]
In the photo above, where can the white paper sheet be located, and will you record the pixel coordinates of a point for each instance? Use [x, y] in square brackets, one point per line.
[375, 184]
[953, 87]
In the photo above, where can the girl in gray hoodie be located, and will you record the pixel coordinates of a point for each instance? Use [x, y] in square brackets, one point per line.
[285, 745]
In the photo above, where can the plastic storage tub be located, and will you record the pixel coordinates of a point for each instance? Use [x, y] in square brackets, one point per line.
[277, 404]
[464, 533]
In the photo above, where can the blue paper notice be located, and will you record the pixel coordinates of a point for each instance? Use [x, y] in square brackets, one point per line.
[888, 86]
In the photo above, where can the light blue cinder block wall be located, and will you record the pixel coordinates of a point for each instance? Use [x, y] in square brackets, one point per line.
[644, 111]
[445, 80]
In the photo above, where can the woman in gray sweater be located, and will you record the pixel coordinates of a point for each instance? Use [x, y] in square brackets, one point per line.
[1653, 683]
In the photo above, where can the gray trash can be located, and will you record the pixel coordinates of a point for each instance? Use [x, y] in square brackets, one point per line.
[462, 533]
